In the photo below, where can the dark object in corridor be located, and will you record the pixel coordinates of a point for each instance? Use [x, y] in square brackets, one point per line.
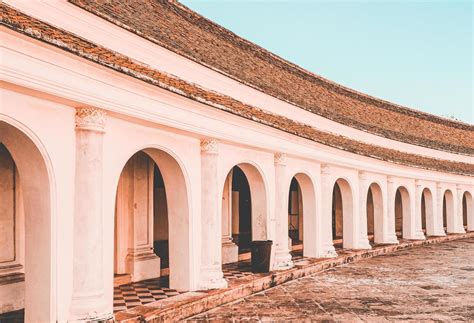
[261, 253]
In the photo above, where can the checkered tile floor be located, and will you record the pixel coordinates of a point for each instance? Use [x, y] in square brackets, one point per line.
[141, 293]
[237, 270]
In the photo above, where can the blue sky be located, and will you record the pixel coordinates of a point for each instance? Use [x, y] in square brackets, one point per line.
[415, 53]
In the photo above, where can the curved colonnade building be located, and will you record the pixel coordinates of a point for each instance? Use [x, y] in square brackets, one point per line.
[141, 140]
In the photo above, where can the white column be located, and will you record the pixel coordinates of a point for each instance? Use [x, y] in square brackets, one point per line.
[327, 246]
[142, 263]
[389, 220]
[458, 210]
[211, 229]
[438, 229]
[363, 242]
[88, 301]
[415, 221]
[282, 253]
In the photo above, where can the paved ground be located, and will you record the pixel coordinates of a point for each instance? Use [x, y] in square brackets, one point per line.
[435, 282]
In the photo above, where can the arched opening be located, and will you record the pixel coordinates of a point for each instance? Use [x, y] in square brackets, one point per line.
[341, 212]
[426, 210]
[448, 209]
[302, 216]
[244, 212]
[295, 215]
[467, 211]
[402, 211]
[151, 227]
[27, 239]
[374, 213]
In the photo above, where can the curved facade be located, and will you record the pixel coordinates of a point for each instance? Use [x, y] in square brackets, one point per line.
[126, 155]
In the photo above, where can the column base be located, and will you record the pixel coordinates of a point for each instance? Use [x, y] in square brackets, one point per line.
[230, 252]
[328, 251]
[89, 308]
[417, 236]
[439, 233]
[457, 231]
[390, 239]
[143, 266]
[212, 278]
[282, 260]
[364, 244]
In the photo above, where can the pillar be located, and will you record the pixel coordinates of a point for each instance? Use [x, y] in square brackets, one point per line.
[211, 275]
[327, 246]
[389, 205]
[282, 253]
[363, 242]
[88, 301]
[141, 261]
[415, 221]
[458, 223]
[438, 229]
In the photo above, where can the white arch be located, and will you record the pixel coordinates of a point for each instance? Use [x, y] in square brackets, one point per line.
[404, 220]
[258, 195]
[179, 215]
[37, 184]
[448, 206]
[427, 220]
[468, 210]
[347, 210]
[377, 200]
[309, 214]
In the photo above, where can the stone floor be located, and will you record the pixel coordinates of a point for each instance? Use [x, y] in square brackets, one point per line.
[429, 283]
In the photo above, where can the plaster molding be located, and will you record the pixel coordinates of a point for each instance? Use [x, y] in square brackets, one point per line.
[325, 169]
[417, 183]
[209, 146]
[279, 159]
[90, 118]
[362, 175]
[390, 180]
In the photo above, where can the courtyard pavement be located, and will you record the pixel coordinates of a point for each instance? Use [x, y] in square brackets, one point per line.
[428, 283]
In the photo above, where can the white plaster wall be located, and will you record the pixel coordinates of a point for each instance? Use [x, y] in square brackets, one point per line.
[52, 125]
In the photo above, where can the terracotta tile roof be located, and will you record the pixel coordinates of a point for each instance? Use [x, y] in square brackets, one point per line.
[37, 29]
[176, 27]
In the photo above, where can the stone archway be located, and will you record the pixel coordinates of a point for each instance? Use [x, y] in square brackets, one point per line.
[302, 215]
[427, 212]
[32, 189]
[448, 211]
[402, 212]
[468, 211]
[151, 203]
[375, 213]
[342, 212]
[244, 211]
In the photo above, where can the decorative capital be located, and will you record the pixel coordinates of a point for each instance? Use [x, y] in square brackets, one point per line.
[390, 179]
[90, 118]
[209, 146]
[279, 159]
[362, 175]
[325, 169]
[438, 185]
[458, 187]
[417, 183]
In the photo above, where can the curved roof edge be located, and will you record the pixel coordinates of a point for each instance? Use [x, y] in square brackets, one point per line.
[67, 41]
[195, 37]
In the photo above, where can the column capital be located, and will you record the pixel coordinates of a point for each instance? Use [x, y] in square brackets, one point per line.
[90, 118]
[279, 159]
[362, 175]
[325, 169]
[417, 183]
[439, 185]
[390, 180]
[458, 188]
[209, 146]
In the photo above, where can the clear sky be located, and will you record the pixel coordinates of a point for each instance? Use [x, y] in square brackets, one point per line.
[414, 53]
